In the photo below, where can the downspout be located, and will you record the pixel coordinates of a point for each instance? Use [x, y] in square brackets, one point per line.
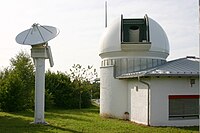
[148, 100]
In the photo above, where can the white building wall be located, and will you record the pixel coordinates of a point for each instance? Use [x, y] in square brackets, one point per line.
[137, 105]
[113, 94]
[160, 89]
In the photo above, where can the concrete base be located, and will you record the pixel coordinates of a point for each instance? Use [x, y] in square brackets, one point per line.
[41, 123]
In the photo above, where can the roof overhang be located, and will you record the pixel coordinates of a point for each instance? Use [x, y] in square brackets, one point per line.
[184, 67]
[129, 76]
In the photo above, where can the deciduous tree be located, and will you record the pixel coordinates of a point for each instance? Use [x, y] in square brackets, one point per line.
[17, 84]
[82, 79]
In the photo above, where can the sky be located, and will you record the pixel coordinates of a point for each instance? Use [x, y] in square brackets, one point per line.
[81, 24]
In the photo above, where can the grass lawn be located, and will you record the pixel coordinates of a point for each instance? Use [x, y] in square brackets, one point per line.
[78, 121]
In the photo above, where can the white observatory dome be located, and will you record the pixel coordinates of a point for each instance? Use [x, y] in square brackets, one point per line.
[128, 46]
[155, 39]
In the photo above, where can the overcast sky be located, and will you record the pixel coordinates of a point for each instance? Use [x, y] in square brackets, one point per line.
[81, 24]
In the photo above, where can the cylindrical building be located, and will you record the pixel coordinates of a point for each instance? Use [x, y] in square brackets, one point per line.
[127, 45]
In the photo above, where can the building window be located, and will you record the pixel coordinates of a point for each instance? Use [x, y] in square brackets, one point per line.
[183, 107]
[107, 62]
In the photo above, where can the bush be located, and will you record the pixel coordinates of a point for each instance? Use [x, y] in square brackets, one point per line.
[62, 90]
[17, 84]
[59, 92]
[62, 93]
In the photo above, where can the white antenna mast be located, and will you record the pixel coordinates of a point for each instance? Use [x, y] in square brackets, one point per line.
[105, 14]
[37, 37]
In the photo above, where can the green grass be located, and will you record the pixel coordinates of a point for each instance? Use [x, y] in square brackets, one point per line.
[78, 121]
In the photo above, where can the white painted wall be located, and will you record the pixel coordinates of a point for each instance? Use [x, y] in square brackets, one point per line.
[160, 89]
[119, 96]
[137, 105]
[113, 94]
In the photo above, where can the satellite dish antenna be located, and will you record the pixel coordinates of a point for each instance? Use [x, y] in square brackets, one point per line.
[38, 36]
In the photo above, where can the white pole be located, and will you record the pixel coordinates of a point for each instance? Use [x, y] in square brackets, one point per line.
[106, 14]
[39, 90]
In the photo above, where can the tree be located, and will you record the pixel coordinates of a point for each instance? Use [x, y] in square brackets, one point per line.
[59, 91]
[62, 90]
[82, 78]
[17, 84]
[95, 92]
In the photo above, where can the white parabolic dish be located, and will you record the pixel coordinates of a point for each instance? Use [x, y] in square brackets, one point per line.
[38, 34]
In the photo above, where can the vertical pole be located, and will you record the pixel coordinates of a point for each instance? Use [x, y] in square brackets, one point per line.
[39, 90]
[105, 14]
